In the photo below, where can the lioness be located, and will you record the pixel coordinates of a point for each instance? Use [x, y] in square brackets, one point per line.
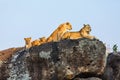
[83, 33]
[27, 42]
[58, 33]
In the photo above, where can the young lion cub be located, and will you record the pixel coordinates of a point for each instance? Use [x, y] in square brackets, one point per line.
[58, 33]
[27, 42]
[35, 42]
[83, 33]
[39, 41]
[42, 40]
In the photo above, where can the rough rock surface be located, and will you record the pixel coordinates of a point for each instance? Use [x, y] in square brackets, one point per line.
[81, 59]
[92, 78]
[5, 60]
[6, 54]
[67, 59]
[18, 68]
[112, 70]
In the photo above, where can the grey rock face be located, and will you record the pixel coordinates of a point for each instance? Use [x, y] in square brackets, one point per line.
[112, 70]
[81, 59]
[18, 67]
[67, 59]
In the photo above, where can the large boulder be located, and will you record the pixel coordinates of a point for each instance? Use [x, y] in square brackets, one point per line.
[81, 59]
[112, 70]
[67, 60]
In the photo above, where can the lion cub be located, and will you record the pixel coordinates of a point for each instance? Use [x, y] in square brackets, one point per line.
[35, 42]
[42, 40]
[58, 33]
[83, 33]
[39, 41]
[27, 42]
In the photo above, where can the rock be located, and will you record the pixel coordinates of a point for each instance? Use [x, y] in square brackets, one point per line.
[112, 70]
[5, 56]
[4, 71]
[18, 67]
[67, 59]
[7, 53]
[81, 59]
[92, 78]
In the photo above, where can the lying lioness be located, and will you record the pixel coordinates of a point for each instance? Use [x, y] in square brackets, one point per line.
[83, 33]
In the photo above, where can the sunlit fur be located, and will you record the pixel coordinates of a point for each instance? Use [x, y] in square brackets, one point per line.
[58, 33]
[42, 40]
[27, 42]
[35, 42]
[83, 33]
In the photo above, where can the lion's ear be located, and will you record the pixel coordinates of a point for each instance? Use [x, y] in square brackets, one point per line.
[88, 24]
[67, 23]
[84, 25]
[30, 38]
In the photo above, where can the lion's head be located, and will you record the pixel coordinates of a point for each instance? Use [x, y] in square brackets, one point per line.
[86, 28]
[27, 40]
[66, 26]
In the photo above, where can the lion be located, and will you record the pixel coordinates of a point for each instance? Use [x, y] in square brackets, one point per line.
[42, 40]
[27, 42]
[36, 42]
[58, 33]
[83, 33]
[39, 41]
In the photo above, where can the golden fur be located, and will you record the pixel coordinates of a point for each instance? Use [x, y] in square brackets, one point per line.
[58, 33]
[39, 41]
[42, 40]
[35, 42]
[27, 42]
[83, 33]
